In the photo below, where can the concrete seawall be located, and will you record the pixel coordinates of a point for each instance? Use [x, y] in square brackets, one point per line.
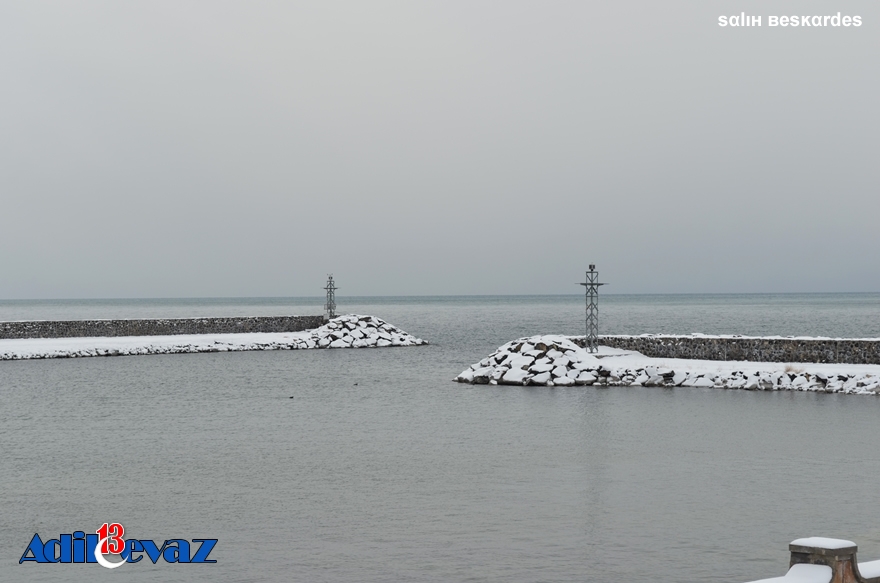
[157, 327]
[820, 350]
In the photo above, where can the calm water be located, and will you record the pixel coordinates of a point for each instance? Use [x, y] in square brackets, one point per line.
[381, 469]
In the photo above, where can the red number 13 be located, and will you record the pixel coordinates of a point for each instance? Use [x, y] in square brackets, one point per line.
[113, 533]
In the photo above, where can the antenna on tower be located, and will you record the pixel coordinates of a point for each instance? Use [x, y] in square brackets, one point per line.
[330, 304]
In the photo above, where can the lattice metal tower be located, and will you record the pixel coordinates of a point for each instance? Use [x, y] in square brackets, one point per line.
[330, 305]
[591, 340]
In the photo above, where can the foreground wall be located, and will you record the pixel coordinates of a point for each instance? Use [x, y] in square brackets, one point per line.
[745, 348]
[157, 327]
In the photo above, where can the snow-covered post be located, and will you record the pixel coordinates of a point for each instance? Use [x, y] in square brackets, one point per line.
[826, 560]
[839, 555]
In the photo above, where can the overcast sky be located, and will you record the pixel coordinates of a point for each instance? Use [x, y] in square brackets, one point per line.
[174, 149]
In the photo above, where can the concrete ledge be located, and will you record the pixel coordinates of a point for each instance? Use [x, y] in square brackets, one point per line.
[818, 350]
[156, 327]
[835, 557]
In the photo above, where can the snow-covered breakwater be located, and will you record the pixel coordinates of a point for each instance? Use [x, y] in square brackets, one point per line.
[558, 361]
[156, 326]
[352, 331]
[752, 348]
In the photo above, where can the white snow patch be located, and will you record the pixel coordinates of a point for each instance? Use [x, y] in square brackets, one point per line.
[869, 569]
[823, 543]
[803, 573]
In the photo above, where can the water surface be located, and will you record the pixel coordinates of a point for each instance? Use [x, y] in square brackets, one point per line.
[381, 469]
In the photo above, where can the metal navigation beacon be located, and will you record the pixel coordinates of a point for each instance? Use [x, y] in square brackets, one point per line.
[591, 340]
[330, 304]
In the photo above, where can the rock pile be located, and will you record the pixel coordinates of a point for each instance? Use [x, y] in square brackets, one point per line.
[355, 331]
[557, 361]
[539, 360]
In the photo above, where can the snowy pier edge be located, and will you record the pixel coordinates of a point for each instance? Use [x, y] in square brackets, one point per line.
[350, 331]
[552, 360]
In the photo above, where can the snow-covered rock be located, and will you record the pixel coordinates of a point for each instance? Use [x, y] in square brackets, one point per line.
[540, 360]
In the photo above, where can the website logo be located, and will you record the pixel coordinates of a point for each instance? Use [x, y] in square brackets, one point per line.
[79, 547]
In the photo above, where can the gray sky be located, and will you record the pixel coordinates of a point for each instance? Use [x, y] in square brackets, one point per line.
[170, 149]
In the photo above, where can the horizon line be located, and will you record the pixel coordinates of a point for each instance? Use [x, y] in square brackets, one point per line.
[321, 297]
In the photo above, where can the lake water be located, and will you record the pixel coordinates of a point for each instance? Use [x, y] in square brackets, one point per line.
[382, 469]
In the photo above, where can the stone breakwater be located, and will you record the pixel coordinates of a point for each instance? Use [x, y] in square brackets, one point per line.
[755, 349]
[156, 327]
[558, 361]
[352, 331]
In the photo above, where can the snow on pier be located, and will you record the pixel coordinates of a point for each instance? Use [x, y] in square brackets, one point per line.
[558, 361]
[352, 331]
